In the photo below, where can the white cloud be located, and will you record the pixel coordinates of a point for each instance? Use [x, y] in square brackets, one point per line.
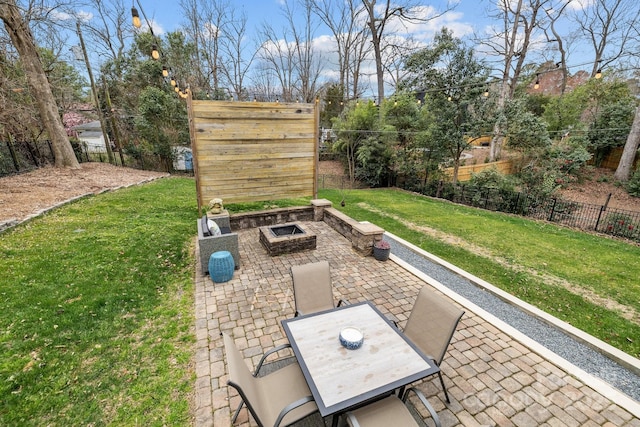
[580, 4]
[428, 23]
[57, 15]
[157, 28]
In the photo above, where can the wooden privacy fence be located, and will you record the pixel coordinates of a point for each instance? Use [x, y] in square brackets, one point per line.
[612, 159]
[464, 172]
[253, 151]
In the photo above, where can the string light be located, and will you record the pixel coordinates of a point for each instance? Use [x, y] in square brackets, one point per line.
[537, 84]
[165, 71]
[135, 17]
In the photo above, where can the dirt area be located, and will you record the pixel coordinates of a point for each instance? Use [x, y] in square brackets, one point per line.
[596, 188]
[28, 193]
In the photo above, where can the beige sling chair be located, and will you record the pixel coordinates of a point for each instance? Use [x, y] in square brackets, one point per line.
[431, 325]
[312, 290]
[390, 411]
[276, 399]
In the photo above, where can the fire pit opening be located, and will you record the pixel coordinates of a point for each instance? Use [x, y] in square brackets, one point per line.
[286, 238]
[286, 230]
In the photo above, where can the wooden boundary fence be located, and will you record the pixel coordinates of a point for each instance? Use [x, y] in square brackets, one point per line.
[464, 172]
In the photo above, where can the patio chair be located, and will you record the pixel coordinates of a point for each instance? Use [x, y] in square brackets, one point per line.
[279, 398]
[312, 290]
[390, 411]
[431, 325]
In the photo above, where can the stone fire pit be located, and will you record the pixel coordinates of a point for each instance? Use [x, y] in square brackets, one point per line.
[286, 238]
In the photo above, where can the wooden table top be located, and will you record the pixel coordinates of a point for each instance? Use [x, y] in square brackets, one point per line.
[341, 378]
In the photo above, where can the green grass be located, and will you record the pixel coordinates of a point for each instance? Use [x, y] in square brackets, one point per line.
[96, 311]
[266, 205]
[96, 304]
[529, 251]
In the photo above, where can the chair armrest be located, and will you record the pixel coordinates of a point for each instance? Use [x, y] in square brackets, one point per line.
[291, 407]
[353, 421]
[425, 402]
[267, 354]
[393, 319]
[343, 302]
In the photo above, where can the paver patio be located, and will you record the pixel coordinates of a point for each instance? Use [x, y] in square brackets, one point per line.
[492, 378]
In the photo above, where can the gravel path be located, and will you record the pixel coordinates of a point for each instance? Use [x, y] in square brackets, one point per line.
[550, 337]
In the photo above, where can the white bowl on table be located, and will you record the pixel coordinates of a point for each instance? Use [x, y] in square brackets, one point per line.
[351, 338]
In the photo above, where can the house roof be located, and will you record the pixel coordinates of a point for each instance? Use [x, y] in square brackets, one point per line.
[91, 126]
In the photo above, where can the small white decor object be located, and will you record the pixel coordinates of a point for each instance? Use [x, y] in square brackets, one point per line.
[351, 338]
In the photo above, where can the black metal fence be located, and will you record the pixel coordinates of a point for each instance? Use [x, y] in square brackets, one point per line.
[23, 156]
[340, 182]
[584, 216]
[599, 218]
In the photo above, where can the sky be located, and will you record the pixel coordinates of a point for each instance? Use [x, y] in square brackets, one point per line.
[467, 18]
[166, 14]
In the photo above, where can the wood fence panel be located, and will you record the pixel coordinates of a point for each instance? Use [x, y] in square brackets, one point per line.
[465, 172]
[613, 159]
[254, 151]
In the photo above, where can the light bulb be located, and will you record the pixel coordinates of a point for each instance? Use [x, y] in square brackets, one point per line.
[135, 17]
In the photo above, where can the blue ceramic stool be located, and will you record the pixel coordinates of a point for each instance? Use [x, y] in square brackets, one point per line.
[221, 266]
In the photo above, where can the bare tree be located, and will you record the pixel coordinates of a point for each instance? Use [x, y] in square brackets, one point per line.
[237, 60]
[277, 56]
[395, 54]
[204, 25]
[511, 43]
[554, 13]
[223, 57]
[379, 18]
[111, 28]
[308, 65]
[291, 56]
[22, 39]
[264, 86]
[608, 25]
[344, 18]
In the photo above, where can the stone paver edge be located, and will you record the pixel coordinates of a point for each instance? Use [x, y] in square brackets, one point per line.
[593, 382]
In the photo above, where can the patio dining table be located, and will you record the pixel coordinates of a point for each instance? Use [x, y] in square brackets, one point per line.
[342, 379]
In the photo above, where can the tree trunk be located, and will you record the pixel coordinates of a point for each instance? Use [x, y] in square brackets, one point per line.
[376, 25]
[22, 40]
[623, 172]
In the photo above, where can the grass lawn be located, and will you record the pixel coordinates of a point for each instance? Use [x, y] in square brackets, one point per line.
[586, 280]
[96, 311]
